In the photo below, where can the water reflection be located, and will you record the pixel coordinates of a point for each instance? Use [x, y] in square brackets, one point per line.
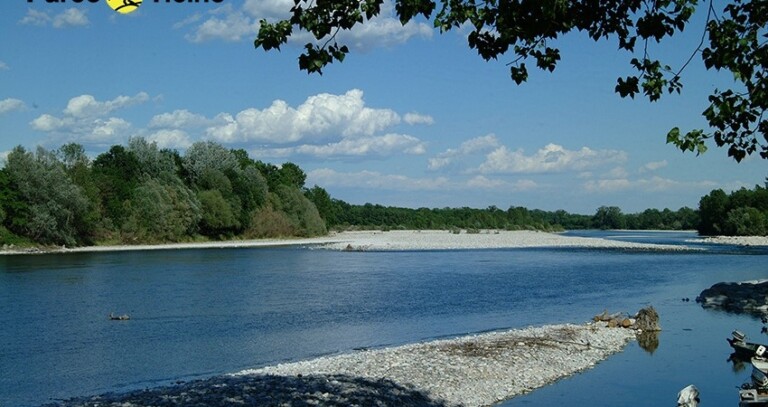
[738, 364]
[648, 340]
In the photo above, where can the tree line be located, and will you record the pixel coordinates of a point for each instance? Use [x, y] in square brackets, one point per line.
[342, 215]
[140, 193]
[741, 213]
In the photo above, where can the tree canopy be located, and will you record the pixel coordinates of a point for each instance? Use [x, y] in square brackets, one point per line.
[144, 194]
[524, 31]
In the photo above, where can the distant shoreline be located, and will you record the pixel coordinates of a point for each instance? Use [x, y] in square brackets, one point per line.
[408, 240]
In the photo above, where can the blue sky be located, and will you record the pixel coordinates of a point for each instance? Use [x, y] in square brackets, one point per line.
[411, 118]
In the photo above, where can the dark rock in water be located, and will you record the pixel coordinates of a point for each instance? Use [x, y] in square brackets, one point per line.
[648, 319]
[745, 297]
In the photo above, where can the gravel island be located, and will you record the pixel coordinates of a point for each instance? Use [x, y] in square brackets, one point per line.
[475, 370]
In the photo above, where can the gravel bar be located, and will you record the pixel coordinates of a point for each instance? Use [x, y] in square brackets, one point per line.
[475, 370]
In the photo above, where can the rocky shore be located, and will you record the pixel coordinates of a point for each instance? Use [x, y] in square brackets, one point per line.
[476, 370]
[740, 297]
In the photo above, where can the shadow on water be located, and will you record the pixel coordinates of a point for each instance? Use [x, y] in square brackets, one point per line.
[257, 390]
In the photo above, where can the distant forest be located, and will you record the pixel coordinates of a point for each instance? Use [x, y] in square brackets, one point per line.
[139, 194]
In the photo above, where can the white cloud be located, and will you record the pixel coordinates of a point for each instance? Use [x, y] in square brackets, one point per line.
[4, 66]
[85, 120]
[111, 130]
[10, 104]
[34, 17]
[3, 158]
[47, 122]
[71, 17]
[469, 147]
[416, 118]
[653, 166]
[227, 23]
[85, 106]
[379, 146]
[170, 138]
[383, 31]
[179, 119]
[550, 159]
[320, 116]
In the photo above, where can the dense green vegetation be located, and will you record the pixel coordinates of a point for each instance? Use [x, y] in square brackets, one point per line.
[142, 194]
[742, 213]
[341, 215]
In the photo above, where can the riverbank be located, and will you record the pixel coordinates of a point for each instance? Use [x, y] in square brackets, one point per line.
[384, 241]
[475, 370]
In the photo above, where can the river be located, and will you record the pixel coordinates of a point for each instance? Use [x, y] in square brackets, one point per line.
[202, 312]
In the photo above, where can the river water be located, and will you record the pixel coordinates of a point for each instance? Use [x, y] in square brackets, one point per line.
[203, 312]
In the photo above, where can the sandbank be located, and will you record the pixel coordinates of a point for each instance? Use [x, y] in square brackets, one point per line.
[399, 240]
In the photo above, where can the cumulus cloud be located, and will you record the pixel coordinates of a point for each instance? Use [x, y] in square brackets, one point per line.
[3, 158]
[228, 23]
[85, 106]
[170, 138]
[552, 158]
[320, 116]
[48, 122]
[323, 126]
[71, 17]
[85, 120]
[376, 146]
[10, 104]
[469, 147]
